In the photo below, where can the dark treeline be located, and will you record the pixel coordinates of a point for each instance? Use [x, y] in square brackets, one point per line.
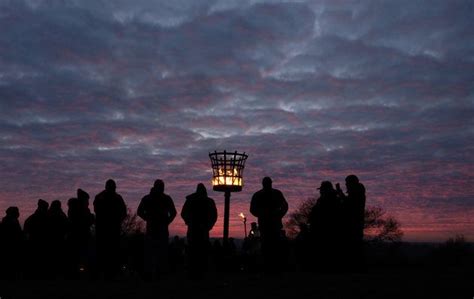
[84, 243]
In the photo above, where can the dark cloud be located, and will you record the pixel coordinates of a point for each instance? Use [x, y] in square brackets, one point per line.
[312, 90]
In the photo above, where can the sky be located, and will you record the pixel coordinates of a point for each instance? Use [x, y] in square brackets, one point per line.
[311, 90]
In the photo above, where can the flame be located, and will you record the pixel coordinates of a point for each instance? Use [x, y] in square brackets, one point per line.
[228, 177]
[241, 215]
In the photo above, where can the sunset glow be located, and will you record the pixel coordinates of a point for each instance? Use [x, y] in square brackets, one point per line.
[311, 90]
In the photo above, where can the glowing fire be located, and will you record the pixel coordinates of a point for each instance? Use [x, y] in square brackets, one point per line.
[241, 215]
[228, 178]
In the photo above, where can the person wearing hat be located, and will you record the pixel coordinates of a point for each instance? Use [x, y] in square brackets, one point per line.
[325, 223]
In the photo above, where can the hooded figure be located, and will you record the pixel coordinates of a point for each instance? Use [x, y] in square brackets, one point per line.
[11, 240]
[36, 232]
[80, 222]
[199, 214]
[157, 209]
[57, 230]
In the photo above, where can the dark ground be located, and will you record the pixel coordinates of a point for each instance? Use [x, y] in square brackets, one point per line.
[375, 283]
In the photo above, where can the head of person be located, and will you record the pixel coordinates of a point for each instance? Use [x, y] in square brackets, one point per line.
[110, 186]
[55, 205]
[253, 226]
[352, 182]
[326, 188]
[42, 205]
[201, 190]
[267, 183]
[159, 186]
[13, 212]
[82, 195]
[72, 203]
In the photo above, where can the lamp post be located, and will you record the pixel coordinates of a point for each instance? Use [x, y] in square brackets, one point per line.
[227, 177]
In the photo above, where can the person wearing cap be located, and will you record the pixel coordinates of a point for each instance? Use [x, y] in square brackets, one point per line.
[158, 211]
[269, 206]
[110, 211]
[324, 225]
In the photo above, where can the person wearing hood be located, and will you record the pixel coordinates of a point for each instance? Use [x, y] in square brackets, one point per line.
[158, 211]
[199, 214]
[36, 232]
[11, 240]
[80, 222]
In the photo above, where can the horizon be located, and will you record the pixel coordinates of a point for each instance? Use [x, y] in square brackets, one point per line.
[311, 90]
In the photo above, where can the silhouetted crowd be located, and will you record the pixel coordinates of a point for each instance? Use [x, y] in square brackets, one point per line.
[53, 244]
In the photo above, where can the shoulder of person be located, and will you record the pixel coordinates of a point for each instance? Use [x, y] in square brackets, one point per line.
[278, 192]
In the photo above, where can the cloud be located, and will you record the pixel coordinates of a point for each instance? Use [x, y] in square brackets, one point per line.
[311, 90]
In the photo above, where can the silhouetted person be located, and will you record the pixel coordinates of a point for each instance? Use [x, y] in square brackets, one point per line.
[252, 247]
[110, 211]
[36, 232]
[254, 231]
[200, 214]
[80, 221]
[353, 206]
[57, 223]
[11, 244]
[157, 209]
[269, 206]
[325, 223]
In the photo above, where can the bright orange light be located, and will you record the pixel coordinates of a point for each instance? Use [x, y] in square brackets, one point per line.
[241, 215]
[228, 178]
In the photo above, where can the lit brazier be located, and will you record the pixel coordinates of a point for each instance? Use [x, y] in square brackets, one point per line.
[227, 176]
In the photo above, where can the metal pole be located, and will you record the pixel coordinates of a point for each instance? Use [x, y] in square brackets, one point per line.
[245, 227]
[226, 216]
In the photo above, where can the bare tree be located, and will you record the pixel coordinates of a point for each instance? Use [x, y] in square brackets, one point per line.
[132, 224]
[299, 218]
[378, 226]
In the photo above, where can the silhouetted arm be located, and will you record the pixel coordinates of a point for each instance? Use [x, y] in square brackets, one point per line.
[123, 209]
[254, 209]
[284, 206]
[141, 212]
[27, 227]
[185, 212]
[172, 212]
[212, 213]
